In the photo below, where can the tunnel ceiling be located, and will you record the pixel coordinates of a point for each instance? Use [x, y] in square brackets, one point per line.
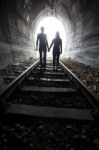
[18, 19]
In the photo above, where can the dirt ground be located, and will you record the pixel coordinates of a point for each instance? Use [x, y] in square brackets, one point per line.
[87, 74]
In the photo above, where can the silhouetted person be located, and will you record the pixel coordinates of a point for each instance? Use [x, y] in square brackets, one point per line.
[57, 49]
[43, 45]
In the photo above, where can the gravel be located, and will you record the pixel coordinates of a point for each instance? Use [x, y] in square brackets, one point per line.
[40, 134]
[87, 74]
[13, 70]
[51, 100]
[49, 135]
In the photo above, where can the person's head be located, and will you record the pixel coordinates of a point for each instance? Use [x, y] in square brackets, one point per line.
[42, 29]
[57, 35]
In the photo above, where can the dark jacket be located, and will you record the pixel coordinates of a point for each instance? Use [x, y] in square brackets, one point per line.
[57, 45]
[42, 39]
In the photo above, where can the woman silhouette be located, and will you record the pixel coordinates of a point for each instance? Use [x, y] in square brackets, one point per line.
[57, 49]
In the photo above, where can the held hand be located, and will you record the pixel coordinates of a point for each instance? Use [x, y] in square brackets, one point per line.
[61, 52]
[48, 49]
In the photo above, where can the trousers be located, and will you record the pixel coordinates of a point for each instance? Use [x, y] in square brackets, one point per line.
[56, 58]
[42, 57]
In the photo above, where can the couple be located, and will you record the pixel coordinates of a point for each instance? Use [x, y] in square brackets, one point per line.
[43, 46]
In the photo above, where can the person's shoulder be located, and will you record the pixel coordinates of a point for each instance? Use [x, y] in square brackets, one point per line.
[54, 39]
[38, 34]
[60, 39]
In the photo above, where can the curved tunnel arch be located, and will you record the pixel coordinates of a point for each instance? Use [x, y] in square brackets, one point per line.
[18, 20]
[61, 17]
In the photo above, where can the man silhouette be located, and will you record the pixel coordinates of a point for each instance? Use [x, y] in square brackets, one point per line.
[57, 49]
[43, 45]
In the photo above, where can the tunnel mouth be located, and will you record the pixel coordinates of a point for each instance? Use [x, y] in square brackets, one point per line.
[51, 25]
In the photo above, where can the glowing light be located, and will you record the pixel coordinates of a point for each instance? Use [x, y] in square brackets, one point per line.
[51, 26]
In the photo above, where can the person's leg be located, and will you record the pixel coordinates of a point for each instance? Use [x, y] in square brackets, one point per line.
[58, 55]
[40, 57]
[53, 59]
[45, 58]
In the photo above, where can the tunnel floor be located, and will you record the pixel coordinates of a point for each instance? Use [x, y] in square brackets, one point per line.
[49, 135]
[87, 74]
[28, 132]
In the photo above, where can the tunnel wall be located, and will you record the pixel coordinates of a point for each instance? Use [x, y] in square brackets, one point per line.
[15, 32]
[84, 18]
[17, 18]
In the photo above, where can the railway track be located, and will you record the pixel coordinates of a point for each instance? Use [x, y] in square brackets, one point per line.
[48, 98]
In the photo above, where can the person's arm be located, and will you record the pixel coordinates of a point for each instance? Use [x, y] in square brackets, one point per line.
[51, 45]
[37, 42]
[47, 43]
[61, 47]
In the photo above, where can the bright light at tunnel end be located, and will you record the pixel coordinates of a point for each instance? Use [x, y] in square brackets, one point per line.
[51, 26]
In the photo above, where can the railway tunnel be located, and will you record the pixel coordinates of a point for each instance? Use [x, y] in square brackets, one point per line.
[19, 20]
[46, 108]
